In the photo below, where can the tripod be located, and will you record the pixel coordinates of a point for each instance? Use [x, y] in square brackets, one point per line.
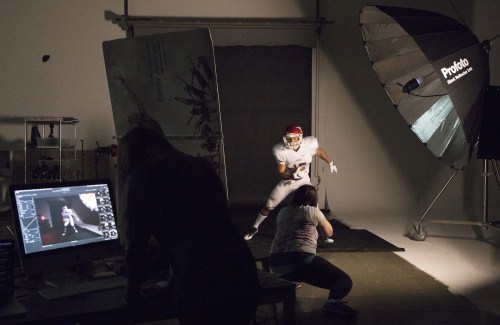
[419, 232]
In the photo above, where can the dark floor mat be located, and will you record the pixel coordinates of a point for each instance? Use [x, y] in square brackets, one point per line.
[356, 240]
[345, 238]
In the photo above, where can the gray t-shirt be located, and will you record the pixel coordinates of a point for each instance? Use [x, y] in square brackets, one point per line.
[296, 229]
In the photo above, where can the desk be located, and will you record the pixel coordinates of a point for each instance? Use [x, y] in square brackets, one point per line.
[107, 307]
[104, 307]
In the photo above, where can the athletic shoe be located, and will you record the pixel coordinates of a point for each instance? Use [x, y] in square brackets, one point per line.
[338, 308]
[251, 233]
[325, 242]
[298, 285]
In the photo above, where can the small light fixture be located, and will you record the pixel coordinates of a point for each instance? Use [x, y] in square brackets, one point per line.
[413, 84]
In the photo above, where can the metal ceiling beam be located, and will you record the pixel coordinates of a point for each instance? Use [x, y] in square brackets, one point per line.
[126, 22]
[219, 23]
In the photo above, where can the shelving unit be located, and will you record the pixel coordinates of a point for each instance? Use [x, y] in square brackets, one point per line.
[5, 177]
[49, 149]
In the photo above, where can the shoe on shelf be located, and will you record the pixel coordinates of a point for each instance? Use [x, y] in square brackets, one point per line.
[251, 233]
[338, 308]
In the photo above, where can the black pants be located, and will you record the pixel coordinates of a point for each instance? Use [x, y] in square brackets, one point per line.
[318, 272]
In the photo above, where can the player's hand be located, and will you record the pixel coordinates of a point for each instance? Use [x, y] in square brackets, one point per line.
[333, 168]
[299, 174]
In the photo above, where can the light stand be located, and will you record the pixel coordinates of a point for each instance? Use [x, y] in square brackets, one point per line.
[419, 232]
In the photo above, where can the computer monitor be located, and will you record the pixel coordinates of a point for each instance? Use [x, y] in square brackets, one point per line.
[64, 224]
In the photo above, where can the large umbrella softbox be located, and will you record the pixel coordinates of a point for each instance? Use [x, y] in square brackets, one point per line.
[435, 72]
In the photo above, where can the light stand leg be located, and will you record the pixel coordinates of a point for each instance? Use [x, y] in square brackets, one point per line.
[495, 169]
[419, 231]
[437, 196]
[485, 176]
[495, 223]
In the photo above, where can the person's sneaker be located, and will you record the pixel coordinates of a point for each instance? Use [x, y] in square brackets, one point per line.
[298, 285]
[251, 233]
[338, 308]
[325, 242]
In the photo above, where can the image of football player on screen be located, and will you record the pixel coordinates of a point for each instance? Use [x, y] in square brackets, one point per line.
[62, 219]
[68, 218]
[293, 157]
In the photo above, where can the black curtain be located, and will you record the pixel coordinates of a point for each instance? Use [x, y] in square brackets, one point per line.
[489, 146]
[261, 90]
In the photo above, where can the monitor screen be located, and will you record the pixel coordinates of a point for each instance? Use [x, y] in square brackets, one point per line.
[64, 223]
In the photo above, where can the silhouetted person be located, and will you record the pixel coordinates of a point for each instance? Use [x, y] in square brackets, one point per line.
[179, 200]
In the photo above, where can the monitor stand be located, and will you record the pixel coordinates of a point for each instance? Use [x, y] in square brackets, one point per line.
[59, 277]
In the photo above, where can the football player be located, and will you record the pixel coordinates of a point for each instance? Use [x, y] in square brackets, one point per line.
[293, 156]
[68, 219]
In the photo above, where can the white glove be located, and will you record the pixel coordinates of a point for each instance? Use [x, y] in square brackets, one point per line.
[333, 168]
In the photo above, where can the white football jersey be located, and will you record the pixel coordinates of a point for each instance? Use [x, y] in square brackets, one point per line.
[295, 159]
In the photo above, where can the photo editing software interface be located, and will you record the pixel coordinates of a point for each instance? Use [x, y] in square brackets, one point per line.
[65, 222]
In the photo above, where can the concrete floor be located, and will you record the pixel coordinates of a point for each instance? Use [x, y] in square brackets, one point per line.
[466, 259]
[452, 277]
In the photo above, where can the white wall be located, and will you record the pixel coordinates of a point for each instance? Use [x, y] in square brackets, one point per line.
[73, 81]
[383, 168]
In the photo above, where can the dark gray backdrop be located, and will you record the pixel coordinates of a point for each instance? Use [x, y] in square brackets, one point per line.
[262, 89]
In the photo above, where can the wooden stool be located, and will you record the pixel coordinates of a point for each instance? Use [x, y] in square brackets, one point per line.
[273, 290]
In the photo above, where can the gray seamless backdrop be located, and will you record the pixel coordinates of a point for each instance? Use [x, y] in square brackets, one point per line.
[262, 89]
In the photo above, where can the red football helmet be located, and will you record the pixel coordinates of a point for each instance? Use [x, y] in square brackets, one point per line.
[293, 136]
